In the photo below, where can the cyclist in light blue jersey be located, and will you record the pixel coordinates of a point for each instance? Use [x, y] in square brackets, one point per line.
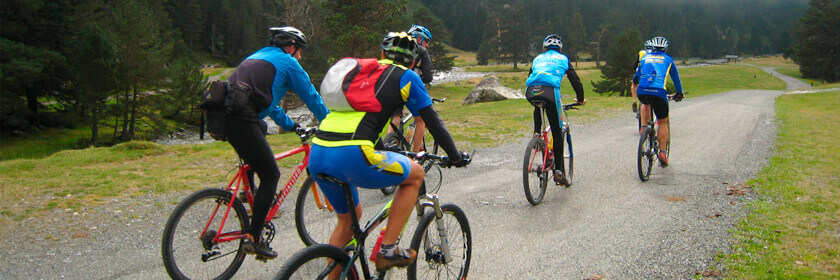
[543, 82]
[651, 77]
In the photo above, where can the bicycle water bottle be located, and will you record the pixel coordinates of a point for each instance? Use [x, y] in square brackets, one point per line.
[550, 141]
[377, 245]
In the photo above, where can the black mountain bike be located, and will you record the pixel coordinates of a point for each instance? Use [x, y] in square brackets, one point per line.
[649, 146]
[443, 241]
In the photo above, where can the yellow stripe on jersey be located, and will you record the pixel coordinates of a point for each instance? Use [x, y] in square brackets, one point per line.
[381, 162]
[405, 91]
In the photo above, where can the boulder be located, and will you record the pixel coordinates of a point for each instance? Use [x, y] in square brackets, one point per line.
[489, 90]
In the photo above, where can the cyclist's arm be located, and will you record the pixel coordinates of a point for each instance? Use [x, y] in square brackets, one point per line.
[675, 76]
[420, 104]
[637, 75]
[438, 130]
[302, 85]
[425, 66]
[636, 64]
[575, 81]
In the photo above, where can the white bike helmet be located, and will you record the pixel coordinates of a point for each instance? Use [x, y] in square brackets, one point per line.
[286, 36]
[659, 43]
[553, 41]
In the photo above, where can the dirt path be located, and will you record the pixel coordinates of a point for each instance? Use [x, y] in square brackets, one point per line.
[607, 225]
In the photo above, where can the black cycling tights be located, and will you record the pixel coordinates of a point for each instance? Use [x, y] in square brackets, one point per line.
[556, 133]
[248, 139]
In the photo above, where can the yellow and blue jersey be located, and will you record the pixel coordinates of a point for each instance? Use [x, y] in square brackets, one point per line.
[653, 72]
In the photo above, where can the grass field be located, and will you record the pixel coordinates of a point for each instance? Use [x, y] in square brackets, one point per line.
[793, 228]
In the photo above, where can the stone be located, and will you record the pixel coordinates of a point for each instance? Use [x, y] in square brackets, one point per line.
[490, 89]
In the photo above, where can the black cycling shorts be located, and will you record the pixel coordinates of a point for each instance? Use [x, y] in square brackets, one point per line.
[660, 106]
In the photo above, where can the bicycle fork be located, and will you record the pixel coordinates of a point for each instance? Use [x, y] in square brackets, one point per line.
[434, 202]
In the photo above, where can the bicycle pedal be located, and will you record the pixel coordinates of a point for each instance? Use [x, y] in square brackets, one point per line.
[261, 258]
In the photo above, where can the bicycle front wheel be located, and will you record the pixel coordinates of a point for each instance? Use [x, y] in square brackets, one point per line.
[314, 217]
[188, 246]
[432, 242]
[534, 172]
[568, 158]
[433, 177]
[646, 154]
[317, 262]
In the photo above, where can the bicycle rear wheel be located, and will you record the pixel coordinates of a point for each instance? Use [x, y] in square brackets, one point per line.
[189, 252]
[316, 262]
[534, 173]
[431, 260]
[314, 217]
[568, 158]
[646, 154]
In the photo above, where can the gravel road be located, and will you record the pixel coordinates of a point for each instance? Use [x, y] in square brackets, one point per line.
[608, 225]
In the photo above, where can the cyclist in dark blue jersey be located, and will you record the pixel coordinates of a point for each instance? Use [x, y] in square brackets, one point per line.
[651, 77]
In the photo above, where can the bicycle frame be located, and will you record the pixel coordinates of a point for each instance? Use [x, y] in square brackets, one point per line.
[360, 234]
[241, 179]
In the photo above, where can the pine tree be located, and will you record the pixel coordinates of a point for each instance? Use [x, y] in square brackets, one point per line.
[818, 49]
[618, 71]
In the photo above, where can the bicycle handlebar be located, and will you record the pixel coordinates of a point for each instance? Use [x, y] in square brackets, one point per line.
[442, 161]
[305, 132]
[435, 100]
[571, 106]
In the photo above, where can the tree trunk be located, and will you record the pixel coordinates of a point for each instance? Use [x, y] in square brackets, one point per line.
[32, 104]
[131, 127]
[94, 127]
[126, 109]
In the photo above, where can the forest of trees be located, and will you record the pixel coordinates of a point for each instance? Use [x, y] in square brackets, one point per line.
[126, 66]
[705, 29]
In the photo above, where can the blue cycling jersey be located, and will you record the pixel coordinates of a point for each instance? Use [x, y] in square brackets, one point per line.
[653, 72]
[548, 69]
[288, 74]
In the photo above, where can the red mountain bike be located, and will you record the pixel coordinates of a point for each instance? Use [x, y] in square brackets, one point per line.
[539, 156]
[204, 234]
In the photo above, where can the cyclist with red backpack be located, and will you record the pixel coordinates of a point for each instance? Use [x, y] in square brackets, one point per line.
[343, 147]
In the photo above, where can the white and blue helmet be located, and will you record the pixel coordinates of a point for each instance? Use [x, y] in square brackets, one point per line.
[659, 43]
[553, 41]
[420, 31]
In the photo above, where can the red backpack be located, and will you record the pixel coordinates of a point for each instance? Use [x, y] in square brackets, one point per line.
[350, 85]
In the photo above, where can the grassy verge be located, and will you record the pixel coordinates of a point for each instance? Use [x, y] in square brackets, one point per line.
[700, 81]
[43, 143]
[74, 179]
[793, 228]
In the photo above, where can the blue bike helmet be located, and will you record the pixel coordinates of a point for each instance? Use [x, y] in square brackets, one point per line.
[421, 32]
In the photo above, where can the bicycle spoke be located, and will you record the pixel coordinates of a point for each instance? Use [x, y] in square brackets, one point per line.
[184, 253]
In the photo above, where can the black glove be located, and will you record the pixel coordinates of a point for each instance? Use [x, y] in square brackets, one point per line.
[678, 97]
[465, 159]
[635, 107]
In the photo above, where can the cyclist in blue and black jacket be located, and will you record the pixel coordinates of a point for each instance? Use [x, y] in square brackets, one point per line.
[651, 78]
[265, 76]
[543, 82]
